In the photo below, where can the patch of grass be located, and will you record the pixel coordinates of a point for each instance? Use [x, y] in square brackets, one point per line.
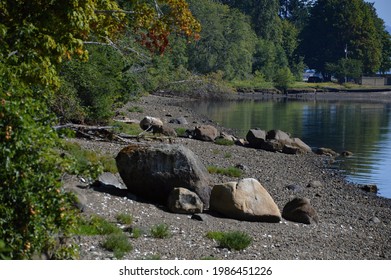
[236, 240]
[224, 142]
[87, 162]
[109, 164]
[96, 226]
[160, 231]
[135, 109]
[229, 171]
[227, 155]
[125, 219]
[180, 131]
[215, 152]
[127, 128]
[118, 243]
[136, 233]
[215, 235]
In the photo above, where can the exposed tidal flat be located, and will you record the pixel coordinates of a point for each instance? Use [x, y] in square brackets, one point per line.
[353, 224]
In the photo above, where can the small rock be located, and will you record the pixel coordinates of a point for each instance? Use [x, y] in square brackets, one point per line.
[346, 154]
[315, 184]
[375, 220]
[205, 133]
[199, 217]
[183, 201]
[300, 210]
[369, 188]
[150, 123]
[180, 120]
[294, 188]
[242, 167]
[326, 152]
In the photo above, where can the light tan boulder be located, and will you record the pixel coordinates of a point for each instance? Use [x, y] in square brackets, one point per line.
[244, 200]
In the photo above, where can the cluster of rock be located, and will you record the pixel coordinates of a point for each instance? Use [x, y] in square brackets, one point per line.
[273, 140]
[172, 175]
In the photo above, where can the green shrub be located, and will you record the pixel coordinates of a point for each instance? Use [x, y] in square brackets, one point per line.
[123, 218]
[229, 171]
[160, 231]
[34, 211]
[136, 109]
[215, 235]
[136, 233]
[117, 243]
[95, 226]
[235, 240]
[180, 131]
[224, 142]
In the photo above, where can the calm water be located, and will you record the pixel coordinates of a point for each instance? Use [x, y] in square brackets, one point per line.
[362, 128]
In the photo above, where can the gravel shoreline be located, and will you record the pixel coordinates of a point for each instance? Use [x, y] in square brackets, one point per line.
[352, 224]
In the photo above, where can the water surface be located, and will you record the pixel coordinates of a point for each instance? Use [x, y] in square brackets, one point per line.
[362, 128]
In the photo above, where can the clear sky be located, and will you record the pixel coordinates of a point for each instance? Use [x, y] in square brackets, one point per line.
[383, 8]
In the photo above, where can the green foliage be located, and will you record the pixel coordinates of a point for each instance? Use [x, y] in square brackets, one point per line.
[117, 243]
[130, 129]
[33, 209]
[136, 109]
[283, 79]
[124, 218]
[136, 233]
[160, 231]
[227, 41]
[95, 225]
[215, 235]
[82, 162]
[325, 37]
[236, 240]
[180, 131]
[99, 85]
[345, 68]
[229, 171]
[224, 142]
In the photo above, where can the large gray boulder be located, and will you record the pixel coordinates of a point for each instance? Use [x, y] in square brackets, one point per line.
[245, 200]
[256, 138]
[153, 171]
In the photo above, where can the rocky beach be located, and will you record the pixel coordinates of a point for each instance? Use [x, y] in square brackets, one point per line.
[351, 223]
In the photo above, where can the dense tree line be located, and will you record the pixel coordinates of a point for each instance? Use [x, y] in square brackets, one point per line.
[239, 40]
[82, 58]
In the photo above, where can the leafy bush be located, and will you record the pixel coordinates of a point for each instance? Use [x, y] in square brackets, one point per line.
[117, 243]
[235, 240]
[34, 212]
[160, 231]
[229, 171]
[283, 79]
